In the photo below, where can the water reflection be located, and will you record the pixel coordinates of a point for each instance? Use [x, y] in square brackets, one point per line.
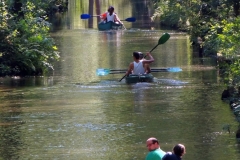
[75, 114]
[63, 120]
[11, 143]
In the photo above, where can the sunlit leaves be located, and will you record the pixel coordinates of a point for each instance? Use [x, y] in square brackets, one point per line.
[55, 47]
[217, 22]
[26, 47]
[228, 43]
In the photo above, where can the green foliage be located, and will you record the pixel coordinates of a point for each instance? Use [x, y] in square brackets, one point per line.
[226, 37]
[26, 47]
[176, 13]
[216, 22]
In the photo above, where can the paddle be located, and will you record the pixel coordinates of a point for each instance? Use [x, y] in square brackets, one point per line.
[161, 40]
[130, 19]
[105, 71]
[172, 69]
[87, 16]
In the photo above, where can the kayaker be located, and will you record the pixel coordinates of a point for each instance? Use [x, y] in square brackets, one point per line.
[146, 66]
[138, 66]
[103, 16]
[155, 153]
[177, 153]
[112, 16]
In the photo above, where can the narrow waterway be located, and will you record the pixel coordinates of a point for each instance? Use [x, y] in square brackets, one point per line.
[75, 114]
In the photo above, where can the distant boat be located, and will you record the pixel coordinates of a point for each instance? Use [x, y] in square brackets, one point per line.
[133, 78]
[109, 25]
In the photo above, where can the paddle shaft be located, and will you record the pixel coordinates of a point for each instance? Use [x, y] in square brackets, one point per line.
[124, 70]
[152, 71]
[122, 78]
[87, 16]
[154, 48]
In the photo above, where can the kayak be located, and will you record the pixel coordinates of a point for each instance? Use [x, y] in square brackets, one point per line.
[109, 25]
[106, 71]
[133, 78]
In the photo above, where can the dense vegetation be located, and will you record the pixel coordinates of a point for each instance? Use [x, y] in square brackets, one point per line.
[26, 47]
[215, 24]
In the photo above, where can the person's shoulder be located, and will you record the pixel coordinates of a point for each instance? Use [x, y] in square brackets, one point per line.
[153, 155]
[169, 156]
[162, 153]
[168, 153]
[131, 64]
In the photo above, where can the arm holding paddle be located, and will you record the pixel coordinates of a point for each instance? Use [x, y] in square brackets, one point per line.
[137, 59]
[117, 19]
[145, 61]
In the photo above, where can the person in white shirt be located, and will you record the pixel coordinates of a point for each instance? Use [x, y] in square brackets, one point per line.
[139, 66]
[112, 16]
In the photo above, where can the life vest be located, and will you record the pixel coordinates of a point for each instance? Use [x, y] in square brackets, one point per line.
[104, 15]
[138, 68]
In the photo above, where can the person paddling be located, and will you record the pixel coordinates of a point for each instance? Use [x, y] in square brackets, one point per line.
[112, 16]
[103, 16]
[138, 66]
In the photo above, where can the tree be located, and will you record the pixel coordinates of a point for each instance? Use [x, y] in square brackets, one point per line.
[26, 46]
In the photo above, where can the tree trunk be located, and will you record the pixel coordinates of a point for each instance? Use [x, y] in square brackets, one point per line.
[98, 9]
[90, 9]
[236, 6]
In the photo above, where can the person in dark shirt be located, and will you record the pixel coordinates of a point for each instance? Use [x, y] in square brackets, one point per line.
[177, 153]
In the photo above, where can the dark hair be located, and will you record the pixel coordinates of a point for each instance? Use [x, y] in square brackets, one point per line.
[140, 55]
[179, 149]
[110, 8]
[136, 55]
[155, 141]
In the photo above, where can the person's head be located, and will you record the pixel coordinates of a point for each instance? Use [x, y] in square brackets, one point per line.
[179, 150]
[136, 55]
[111, 9]
[152, 144]
[140, 55]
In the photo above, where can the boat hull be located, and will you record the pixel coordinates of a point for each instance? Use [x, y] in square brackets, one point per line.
[109, 25]
[139, 78]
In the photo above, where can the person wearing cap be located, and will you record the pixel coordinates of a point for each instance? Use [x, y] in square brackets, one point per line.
[138, 66]
[155, 153]
[176, 154]
[147, 68]
[112, 16]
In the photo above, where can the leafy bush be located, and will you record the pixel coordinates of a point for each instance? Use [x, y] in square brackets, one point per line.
[226, 39]
[26, 47]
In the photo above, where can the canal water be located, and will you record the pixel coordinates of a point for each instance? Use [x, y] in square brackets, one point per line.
[75, 114]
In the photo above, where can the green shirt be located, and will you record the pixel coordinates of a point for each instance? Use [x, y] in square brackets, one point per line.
[156, 154]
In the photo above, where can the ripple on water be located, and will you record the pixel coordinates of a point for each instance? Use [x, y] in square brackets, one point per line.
[104, 127]
[171, 82]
